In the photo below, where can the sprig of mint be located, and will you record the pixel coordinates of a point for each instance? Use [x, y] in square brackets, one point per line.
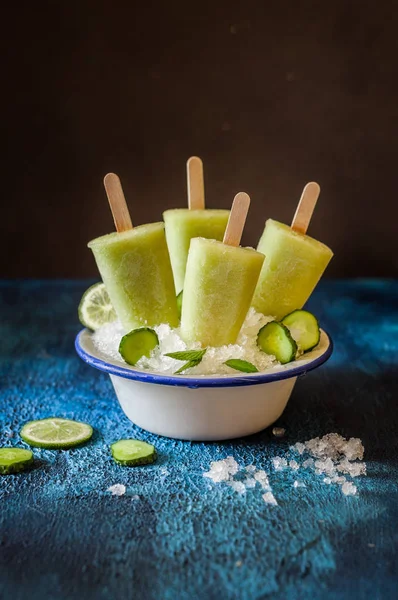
[187, 354]
[193, 358]
[241, 365]
[188, 365]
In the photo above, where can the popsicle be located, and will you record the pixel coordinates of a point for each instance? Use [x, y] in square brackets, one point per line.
[219, 284]
[135, 266]
[294, 261]
[183, 224]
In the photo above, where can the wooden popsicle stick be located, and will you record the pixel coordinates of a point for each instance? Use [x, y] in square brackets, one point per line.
[305, 208]
[117, 202]
[196, 186]
[237, 219]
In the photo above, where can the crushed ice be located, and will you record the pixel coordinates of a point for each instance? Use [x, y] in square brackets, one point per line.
[331, 456]
[107, 339]
[334, 457]
[226, 469]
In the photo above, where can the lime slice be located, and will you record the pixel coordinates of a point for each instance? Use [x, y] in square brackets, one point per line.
[56, 433]
[138, 343]
[14, 460]
[131, 453]
[95, 308]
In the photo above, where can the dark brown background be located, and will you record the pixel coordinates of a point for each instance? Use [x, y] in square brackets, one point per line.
[269, 94]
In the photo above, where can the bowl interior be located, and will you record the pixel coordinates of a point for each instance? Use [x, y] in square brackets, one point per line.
[95, 358]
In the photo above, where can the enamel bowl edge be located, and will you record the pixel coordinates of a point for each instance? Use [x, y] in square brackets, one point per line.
[205, 408]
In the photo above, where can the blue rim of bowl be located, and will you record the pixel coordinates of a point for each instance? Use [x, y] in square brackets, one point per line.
[200, 382]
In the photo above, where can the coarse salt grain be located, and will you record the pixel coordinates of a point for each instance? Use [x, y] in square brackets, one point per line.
[279, 463]
[293, 464]
[299, 447]
[238, 486]
[298, 483]
[222, 470]
[117, 490]
[250, 482]
[349, 489]
[250, 468]
[262, 478]
[269, 498]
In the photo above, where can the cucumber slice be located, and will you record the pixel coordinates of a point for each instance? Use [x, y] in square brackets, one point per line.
[139, 342]
[304, 329]
[179, 304]
[131, 453]
[56, 433]
[14, 460]
[274, 338]
[95, 308]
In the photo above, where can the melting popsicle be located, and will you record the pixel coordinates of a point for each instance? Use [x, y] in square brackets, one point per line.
[220, 281]
[183, 224]
[135, 267]
[294, 261]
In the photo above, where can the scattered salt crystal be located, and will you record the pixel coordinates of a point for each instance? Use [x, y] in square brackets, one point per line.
[262, 478]
[298, 483]
[278, 432]
[250, 482]
[269, 498]
[309, 463]
[222, 470]
[354, 449]
[164, 471]
[325, 466]
[250, 468]
[293, 464]
[238, 486]
[349, 489]
[117, 490]
[135, 497]
[327, 480]
[298, 447]
[338, 479]
[355, 469]
[238, 563]
[279, 463]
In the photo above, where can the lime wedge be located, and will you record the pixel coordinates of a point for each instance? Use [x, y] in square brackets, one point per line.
[14, 460]
[131, 453]
[95, 308]
[56, 433]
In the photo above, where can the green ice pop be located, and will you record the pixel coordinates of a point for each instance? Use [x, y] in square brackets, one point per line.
[294, 261]
[183, 224]
[135, 267]
[219, 285]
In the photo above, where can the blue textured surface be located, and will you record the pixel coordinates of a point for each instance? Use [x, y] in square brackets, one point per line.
[178, 536]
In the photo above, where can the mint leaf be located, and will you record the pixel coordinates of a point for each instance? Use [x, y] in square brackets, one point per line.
[188, 365]
[241, 365]
[188, 355]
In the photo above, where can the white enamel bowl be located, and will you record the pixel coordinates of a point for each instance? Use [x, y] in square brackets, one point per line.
[203, 408]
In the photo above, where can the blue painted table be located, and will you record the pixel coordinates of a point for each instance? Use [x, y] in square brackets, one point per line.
[174, 534]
